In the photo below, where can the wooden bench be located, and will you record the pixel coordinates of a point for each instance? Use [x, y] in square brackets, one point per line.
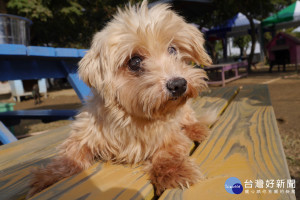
[12, 118]
[224, 68]
[244, 143]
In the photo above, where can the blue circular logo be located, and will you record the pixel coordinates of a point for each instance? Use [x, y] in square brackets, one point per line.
[233, 186]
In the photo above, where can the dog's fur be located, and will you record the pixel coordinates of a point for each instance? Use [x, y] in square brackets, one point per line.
[132, 117]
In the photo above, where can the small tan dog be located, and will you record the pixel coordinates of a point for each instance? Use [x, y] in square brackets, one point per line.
[139, 70]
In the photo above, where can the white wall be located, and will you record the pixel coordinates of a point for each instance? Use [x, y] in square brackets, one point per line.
[235, 51]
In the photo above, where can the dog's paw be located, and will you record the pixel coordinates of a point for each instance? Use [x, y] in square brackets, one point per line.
[41, 179]
[33, 191]
[196, 132]
[175, 174]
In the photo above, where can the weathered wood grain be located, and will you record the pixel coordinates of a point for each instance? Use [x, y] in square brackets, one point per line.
[124, 182]
[102, 180]
[244, 143]
[30, 148]
[18, 158]
[215, 99]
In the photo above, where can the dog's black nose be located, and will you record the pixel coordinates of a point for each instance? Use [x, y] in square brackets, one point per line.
[177, 86]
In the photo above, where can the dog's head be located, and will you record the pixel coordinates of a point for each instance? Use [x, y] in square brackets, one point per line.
[140, 62]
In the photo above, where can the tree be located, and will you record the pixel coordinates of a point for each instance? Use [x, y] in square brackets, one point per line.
[72, 23]
[65, 23]
[252, 9]
[242, 42]
[3, 6]
[55, 23]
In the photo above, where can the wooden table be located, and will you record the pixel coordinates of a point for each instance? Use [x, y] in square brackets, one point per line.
[224, 68]
[245, 143]
[35, 62]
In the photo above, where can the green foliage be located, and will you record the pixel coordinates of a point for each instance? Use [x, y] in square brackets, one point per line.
[219, 48]
[290, 31]
[72, 23]
[242, 42]
[33, 9]
[267, 37]
[65, 23]
[297, 34]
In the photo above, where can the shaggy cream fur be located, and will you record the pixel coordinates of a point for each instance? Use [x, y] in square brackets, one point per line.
[133, 116]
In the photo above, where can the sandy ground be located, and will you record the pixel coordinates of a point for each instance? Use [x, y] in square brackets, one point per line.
[284, 89]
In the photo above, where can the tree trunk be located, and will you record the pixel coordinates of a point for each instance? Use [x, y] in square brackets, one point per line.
[241, 51]
[211, 47]
[224, 44]
[253, 39]
[3, 7]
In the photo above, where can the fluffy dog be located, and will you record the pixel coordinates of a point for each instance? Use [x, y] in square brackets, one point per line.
[139, 70]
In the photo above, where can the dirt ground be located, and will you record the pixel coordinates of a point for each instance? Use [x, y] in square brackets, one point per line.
[284, 89]
[60, 100]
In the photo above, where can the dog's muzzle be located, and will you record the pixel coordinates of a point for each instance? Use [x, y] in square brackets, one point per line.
[177, 86]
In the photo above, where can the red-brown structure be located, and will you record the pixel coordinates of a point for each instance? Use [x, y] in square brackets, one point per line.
[283, 49]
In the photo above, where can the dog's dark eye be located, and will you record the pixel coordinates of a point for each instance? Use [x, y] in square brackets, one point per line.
[134, 63]
[172, 51]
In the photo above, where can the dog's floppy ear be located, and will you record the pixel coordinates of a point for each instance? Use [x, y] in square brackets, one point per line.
[192, 44]
[90, 67]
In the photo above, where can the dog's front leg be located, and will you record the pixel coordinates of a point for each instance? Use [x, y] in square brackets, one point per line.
[73, 158]
[195, 129]
[171, 167]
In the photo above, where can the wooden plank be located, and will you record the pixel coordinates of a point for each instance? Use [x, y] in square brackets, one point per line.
[226, 67]
[29, 67]
[124, 182]
[18, 158]
[214, 99]
[227, 80]
[245, 143]
[105, 181]
[40, 51]
[82, 52]
[12, 49]
[66, 52]
[45, 115]
[81, 89]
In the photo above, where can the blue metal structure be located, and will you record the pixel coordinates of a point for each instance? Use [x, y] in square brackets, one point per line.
[33, 62]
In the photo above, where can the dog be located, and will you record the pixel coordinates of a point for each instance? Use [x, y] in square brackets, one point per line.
[36, 94]
[139, 70]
